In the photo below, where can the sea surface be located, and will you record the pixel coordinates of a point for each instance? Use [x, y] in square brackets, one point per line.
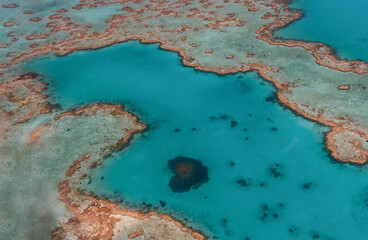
[235, 127]
[342, 24]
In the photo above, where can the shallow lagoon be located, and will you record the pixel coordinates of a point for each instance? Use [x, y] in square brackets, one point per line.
[296, 191]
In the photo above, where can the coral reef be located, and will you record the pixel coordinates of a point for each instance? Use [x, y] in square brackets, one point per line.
[188, 173]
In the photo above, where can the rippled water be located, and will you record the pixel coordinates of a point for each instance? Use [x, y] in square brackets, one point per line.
[289, 188]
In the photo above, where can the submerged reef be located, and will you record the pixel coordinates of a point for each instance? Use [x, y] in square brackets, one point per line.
[188, 173]
[223, 37]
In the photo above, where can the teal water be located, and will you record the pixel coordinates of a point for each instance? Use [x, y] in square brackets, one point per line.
[341, 24]
[312, 198]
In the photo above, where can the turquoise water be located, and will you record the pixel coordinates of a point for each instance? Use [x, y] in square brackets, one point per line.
[309, 197]
[341, 24]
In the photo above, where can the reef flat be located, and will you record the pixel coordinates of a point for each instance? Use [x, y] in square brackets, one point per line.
[222, 37]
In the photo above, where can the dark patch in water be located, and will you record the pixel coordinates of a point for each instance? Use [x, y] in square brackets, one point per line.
[242, 182]
[268, 213]
[224, 225]
[264, 211]
[177, 130]
[145, 208]
[223, 221]
[272, 98]
[307, 185]
[162, 203]
[244, 129]
[264, 216]
[315, 235]
[193, 129]
[274, 129]
[188, 173]
[276, 170]
[293, 231]
[225, 117]
[102, 178]
[232, 164]
[246, 138]
[233, 123]
[262, 184]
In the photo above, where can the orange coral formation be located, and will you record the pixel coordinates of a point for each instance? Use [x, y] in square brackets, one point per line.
[13, 5]
[38, 132]
[35, 19]
[343, 87]
[135, 234]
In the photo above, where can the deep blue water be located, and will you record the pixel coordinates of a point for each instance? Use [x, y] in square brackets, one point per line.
[296, 191]
[342, 24]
